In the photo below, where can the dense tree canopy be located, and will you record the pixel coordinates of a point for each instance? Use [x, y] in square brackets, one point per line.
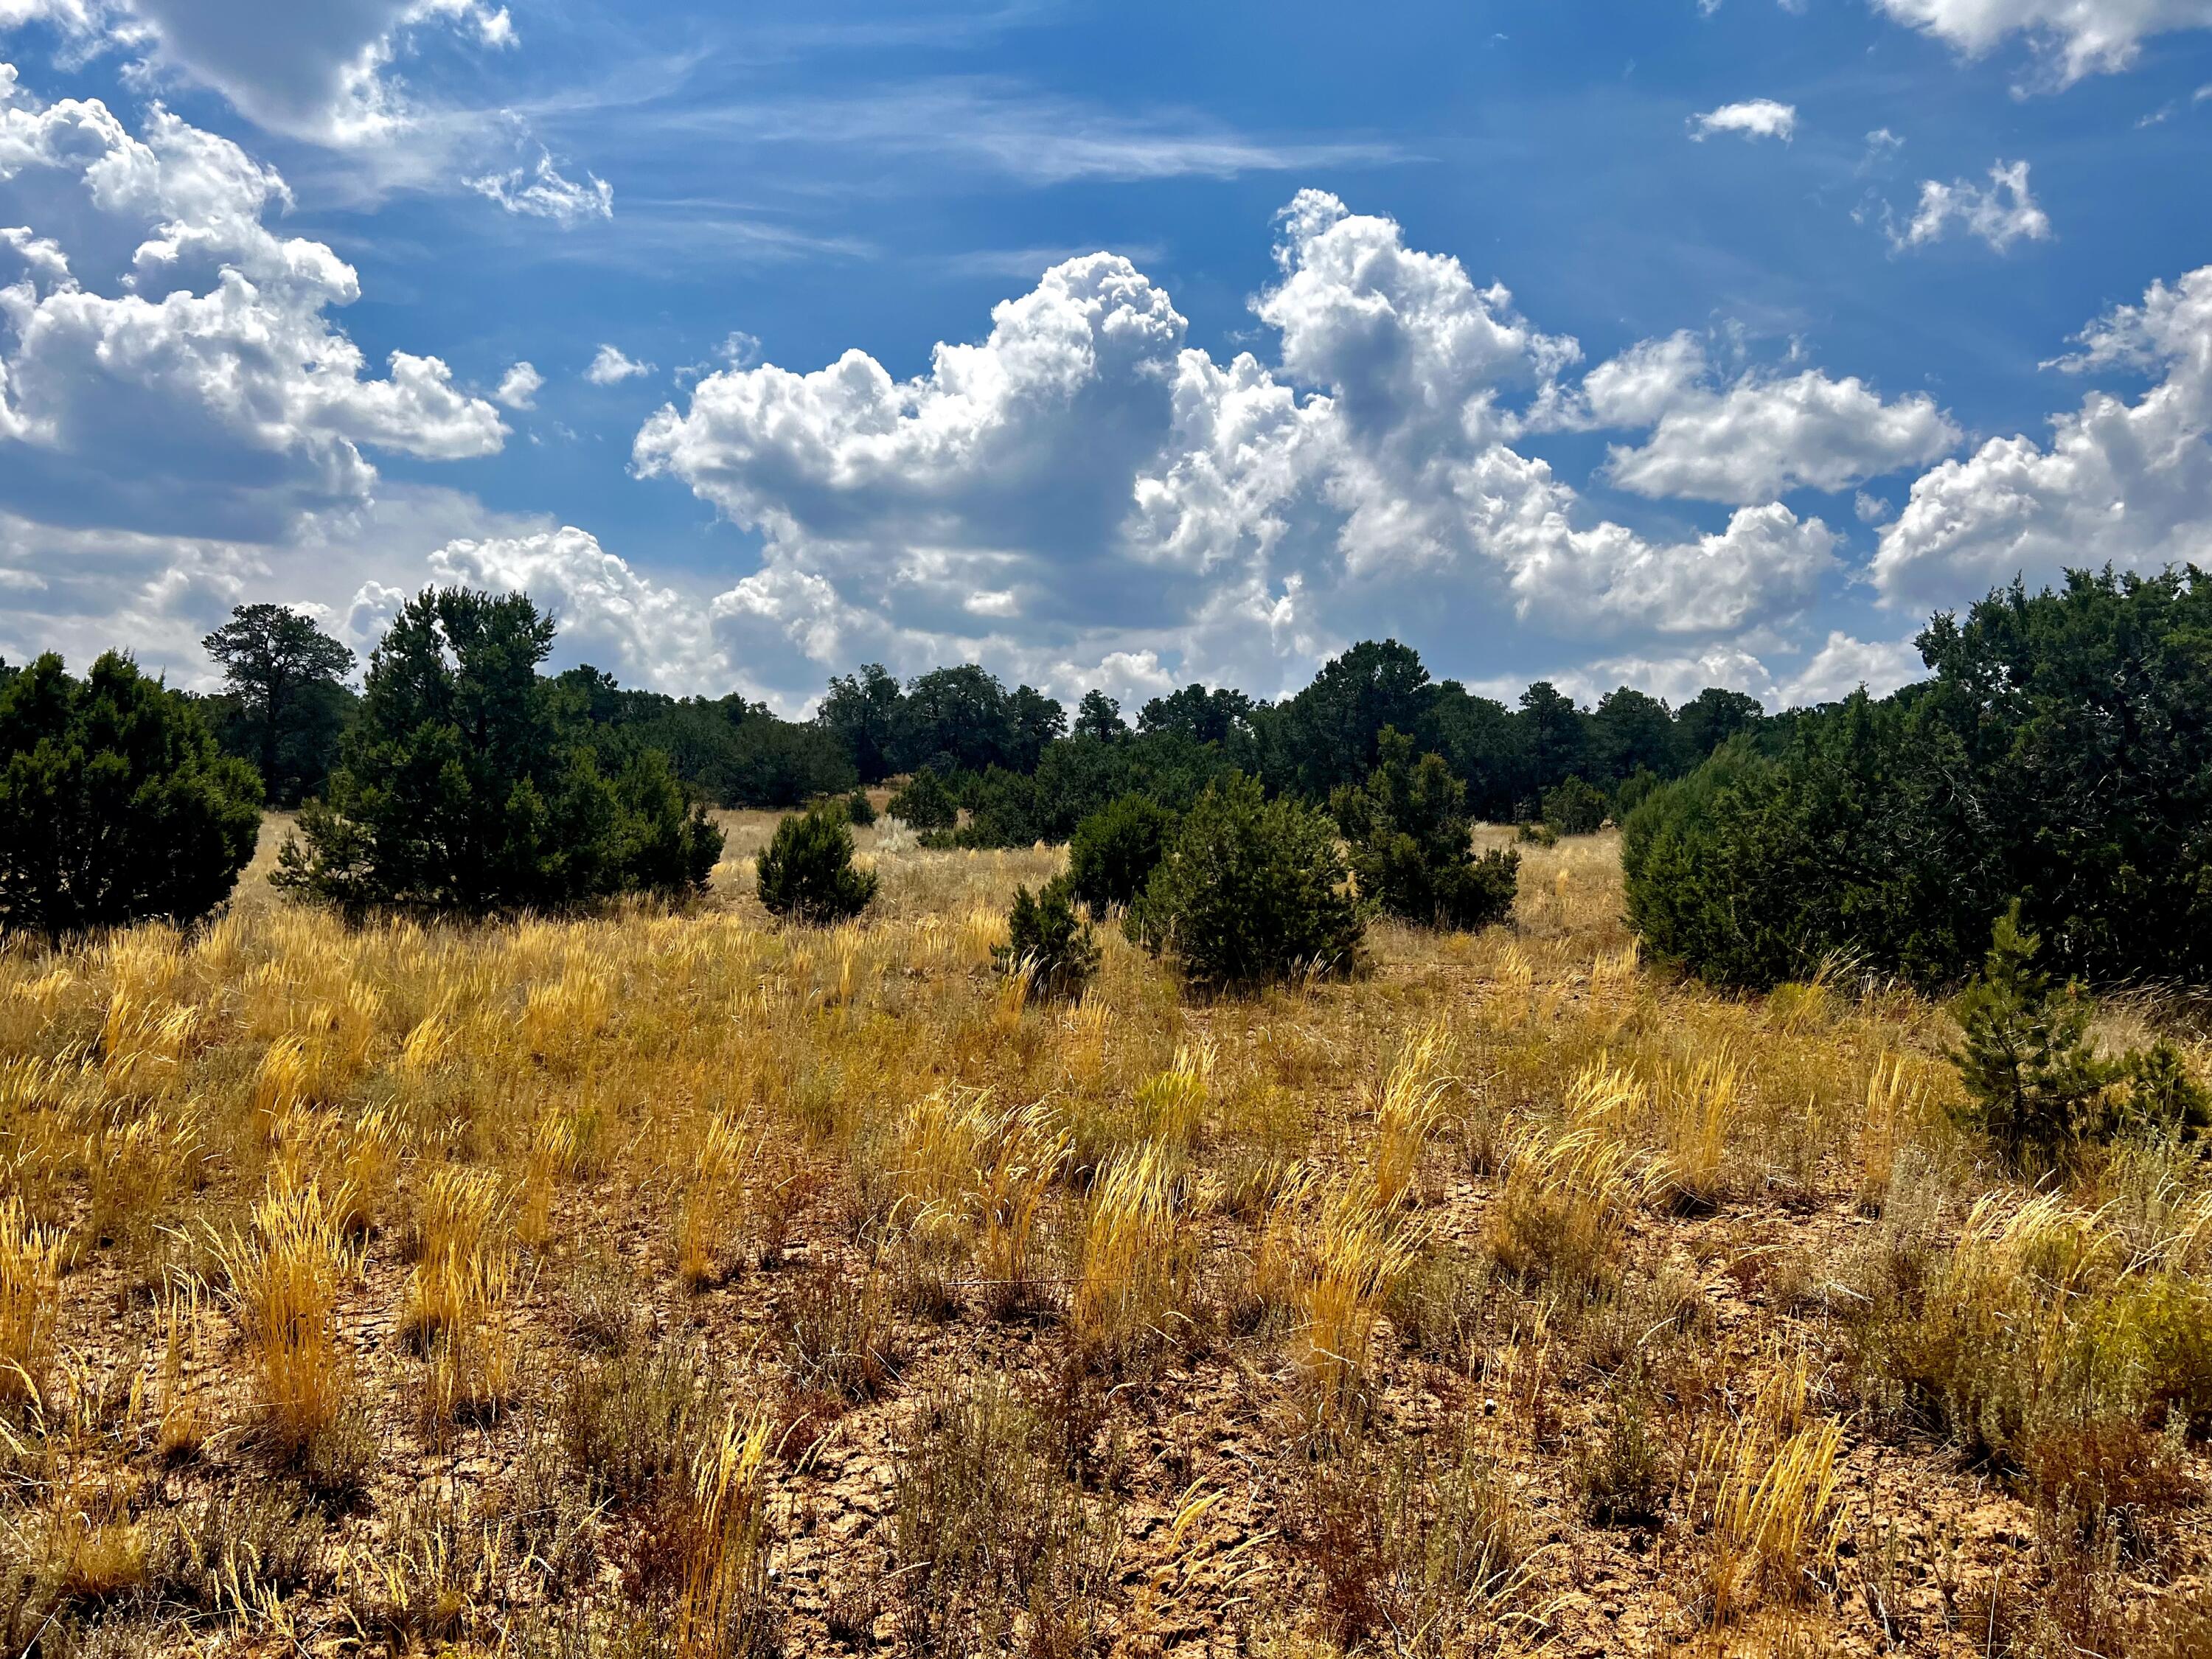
[115, 804]
[2062, 756]
[1194, 712]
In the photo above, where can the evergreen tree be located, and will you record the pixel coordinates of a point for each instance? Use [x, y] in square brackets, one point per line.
[1328, 734]
[1552, 735]
[1710, 719]
[1100, 717]
[1114, 852]
[460, 789]
[1048, 941]
[1250, 892]
[115, 806]
[862, 712]
[1411, 844]
[1196, 712]
[286, 675]
[2033, 1083]
[924, 803]
[807, 873]
[1574, 808]
[1631, 731]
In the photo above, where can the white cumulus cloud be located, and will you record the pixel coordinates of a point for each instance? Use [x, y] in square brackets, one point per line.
[608, 614]
[318, 71]
[611, 366]
[519, 387]
[1844, 665]
[1758, 438]
[182, 422]
[2001, 213]
[2074, 37]
[2119, 482]
[1754, 117]
[203, 388]
[1082, 486]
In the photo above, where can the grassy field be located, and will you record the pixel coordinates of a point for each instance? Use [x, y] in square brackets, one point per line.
[679, 1283]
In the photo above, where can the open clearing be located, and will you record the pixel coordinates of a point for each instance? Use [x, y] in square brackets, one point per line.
[683, 1284]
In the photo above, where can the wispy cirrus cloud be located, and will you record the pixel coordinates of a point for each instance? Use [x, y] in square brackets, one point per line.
[1036, 137]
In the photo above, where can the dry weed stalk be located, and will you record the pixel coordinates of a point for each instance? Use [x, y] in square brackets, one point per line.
[710, 1229]
[184, 1424]
[1698, 1109]
[1767, 1485]
[1027, 1154]
[935, 1153]
[1893, 1105]
[1335, 1266]
[1171, 1105]
[725, 1579]
[1567, 1198]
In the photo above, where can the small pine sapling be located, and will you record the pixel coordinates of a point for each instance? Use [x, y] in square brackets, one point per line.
[2033, 1084]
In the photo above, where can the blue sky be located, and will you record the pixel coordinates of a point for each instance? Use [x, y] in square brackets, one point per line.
[1645, 342]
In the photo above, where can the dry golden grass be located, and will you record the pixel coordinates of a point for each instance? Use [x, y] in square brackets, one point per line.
[611, 1285]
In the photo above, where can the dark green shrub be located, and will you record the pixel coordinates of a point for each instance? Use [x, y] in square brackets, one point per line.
[1410, 839]
[1114, 852]
[1249, 892]
[2033, 1083]
[1758, 869]
[770, 762]
[1633, 790]
[859, 811]
[1574, 808]
[1002, 811]
[924, 803]
[459, 789]
[807, 872]
[2061, 753]
[115, 806]
[1047, 940]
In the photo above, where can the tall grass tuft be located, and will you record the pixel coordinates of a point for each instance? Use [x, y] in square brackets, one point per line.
[1766, 1486]
[284, 1275]
[1139, 1256]
[1337, 1268]
[710, 1229]
[30, 1302]
[1410, 1106]
[724, 1612]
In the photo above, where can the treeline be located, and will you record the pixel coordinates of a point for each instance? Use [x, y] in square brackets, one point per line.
[2058, 756]
[1013, 761]
[462, 778]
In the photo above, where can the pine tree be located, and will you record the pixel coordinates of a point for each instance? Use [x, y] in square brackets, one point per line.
[2034, 1083]
[1411, 838]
